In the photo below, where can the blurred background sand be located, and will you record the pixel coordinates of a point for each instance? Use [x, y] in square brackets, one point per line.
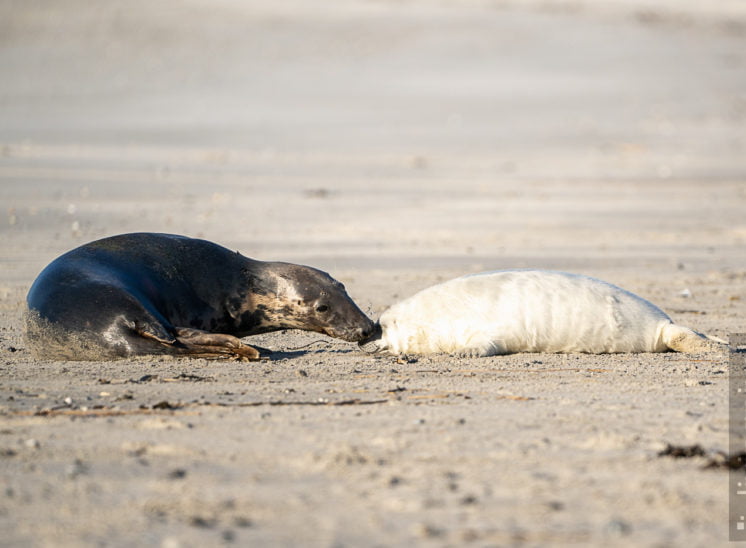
[371, 128]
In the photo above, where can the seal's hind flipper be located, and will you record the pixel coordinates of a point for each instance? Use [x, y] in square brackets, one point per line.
[683, 339]
[213, 345]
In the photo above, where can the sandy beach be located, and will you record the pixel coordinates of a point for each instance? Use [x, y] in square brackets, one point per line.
[393, 145]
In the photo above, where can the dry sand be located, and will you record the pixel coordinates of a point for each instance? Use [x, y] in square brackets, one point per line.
[393, 145]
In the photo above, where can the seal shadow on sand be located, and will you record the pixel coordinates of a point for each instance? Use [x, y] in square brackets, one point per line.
[289, 354]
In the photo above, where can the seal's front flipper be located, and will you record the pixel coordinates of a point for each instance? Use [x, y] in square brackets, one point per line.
[213, 345]
[683, 339]
[154, 332]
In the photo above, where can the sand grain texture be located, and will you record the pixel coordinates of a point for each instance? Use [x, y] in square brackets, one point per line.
[394, 146]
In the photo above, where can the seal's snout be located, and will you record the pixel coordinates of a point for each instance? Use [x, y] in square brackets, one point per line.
[352, 333]
[364, 333]
[369, 343]
[372, 330]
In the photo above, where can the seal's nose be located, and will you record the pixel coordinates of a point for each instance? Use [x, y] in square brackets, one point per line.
[370, 333]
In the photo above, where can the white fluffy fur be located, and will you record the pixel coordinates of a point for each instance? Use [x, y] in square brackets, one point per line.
[530, 311]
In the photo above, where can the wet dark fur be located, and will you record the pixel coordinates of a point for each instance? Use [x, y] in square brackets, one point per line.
[134, 293]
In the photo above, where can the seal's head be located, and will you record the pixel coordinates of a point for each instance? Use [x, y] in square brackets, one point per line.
[301, 297]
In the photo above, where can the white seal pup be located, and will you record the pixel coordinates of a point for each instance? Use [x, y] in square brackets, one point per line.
[509, 311]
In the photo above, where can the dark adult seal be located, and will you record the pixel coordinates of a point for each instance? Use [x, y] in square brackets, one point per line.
[146, 293]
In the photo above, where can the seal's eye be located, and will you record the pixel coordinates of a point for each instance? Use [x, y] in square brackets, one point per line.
[322, 308]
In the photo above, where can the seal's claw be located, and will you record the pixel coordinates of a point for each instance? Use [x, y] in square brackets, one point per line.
[247, 353]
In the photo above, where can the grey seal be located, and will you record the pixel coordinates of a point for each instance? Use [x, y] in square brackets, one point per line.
[150, 293]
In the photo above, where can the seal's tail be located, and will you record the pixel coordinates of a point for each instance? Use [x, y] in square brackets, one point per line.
[683, 339]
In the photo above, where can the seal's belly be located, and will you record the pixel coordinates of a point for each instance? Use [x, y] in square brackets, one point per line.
[523, 311]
